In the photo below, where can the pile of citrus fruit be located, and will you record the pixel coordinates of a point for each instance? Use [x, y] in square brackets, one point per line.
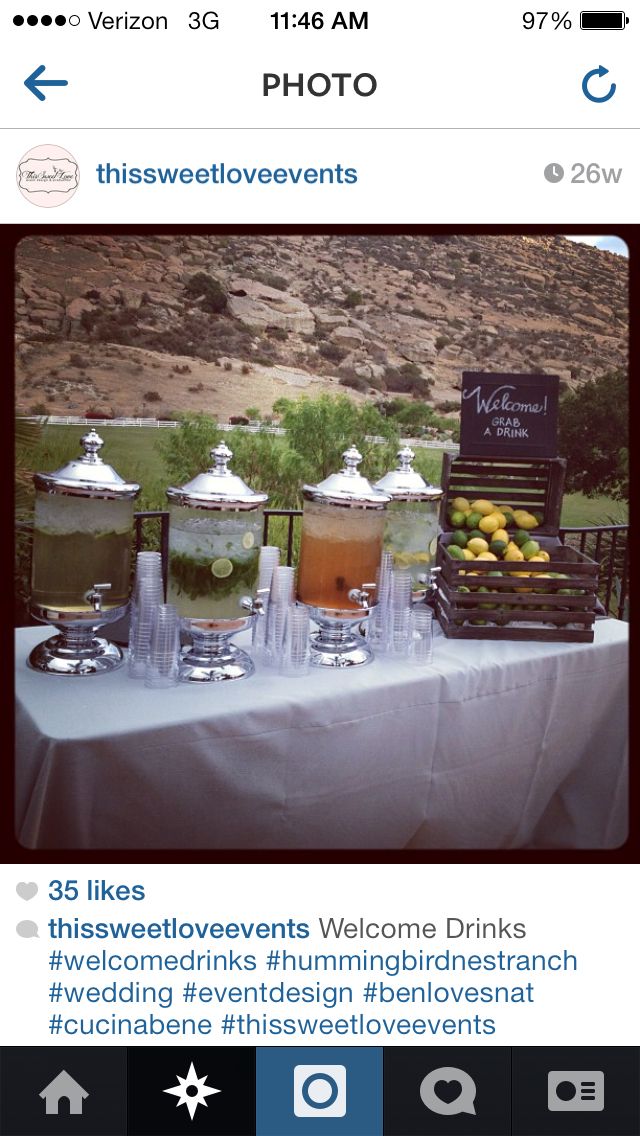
[481, 532]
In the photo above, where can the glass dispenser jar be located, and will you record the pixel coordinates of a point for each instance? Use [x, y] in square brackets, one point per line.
[340, 549]
[411, 526]
[215, 534]
[81, 563]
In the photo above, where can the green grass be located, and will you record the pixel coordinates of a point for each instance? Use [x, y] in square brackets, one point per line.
[134, 452]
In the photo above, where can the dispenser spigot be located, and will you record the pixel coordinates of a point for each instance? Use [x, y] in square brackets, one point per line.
[94, 595]
[361, 595]
[254, 605]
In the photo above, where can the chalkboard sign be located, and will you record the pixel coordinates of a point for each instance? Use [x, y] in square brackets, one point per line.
[509, 415]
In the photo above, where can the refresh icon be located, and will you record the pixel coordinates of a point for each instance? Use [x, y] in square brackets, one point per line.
[600, 72]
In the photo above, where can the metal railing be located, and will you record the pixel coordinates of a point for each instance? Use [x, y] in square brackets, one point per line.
[608, 545]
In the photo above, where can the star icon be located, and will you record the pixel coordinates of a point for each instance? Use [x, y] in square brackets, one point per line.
[192, 1091]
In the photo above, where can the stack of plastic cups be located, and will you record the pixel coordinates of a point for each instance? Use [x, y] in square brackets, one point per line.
[376, 624]
[296, 652]
[149, 593]
[398, 636]
[421, 649]
[280, 599]
[269, 560]
[164, 648]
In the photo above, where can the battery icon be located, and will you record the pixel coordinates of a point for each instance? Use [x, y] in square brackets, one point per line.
[603, 21]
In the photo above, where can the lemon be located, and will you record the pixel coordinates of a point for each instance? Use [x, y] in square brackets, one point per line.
[461, 504]
[501, 534]
[525, 520]
[483, 507]
[489, 524]
[502, 520]
[544, 555]
[433, 547]
[468, 554]
[248, 540]
[221, 568]
[537, 557]
[486, 556]
[513, 554]
[478, 545]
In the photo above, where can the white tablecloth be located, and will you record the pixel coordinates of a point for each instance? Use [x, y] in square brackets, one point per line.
[497, 745]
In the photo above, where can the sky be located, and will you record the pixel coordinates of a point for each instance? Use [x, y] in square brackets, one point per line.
[610, 244]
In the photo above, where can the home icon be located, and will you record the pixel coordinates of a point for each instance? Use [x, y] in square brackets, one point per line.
[64, 1086]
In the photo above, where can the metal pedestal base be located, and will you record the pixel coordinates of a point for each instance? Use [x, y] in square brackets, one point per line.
[331, 651]
[59, 656]
[218, 661]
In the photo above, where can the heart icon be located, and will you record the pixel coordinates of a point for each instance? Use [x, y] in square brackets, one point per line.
[448, 1091]
[27, 891]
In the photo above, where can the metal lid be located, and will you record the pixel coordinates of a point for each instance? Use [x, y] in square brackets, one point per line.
[218, 487]
[404, 483]
[87, 476]
[348, 487]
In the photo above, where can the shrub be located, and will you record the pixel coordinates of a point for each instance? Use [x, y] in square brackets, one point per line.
[246, 369]
[278, 333]
[228, 365]
[475, 258]
[353, 299]
[151, 396]
[212, 295]
[442, 341]
[332, 352]
[355, 383]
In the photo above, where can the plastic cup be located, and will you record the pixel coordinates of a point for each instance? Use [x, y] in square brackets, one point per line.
[268, 560]
[162, 663]
[276, 623]
[295, 646]
[282, 581]
[149, 596]
[421, 649]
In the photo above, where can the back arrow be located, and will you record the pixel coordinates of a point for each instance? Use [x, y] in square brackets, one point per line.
[600, 71]
[34, 81]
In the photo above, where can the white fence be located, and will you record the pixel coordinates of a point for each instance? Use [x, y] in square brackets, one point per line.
[161, 423]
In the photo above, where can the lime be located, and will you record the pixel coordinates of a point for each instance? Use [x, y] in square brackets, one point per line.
[539, 518]
[221, 568]
[475, 534]
[455, 552]
[530, 548]
[473, 520]
[456, 517]
[458, 537]
[520, 537]
[497, 547]
[248, 540]
[433, 547]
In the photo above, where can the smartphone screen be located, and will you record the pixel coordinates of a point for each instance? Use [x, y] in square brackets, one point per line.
[317, 340]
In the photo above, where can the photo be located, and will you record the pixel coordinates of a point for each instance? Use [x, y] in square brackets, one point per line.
[321, 542]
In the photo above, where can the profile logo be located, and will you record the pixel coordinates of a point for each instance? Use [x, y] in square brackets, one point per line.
[320, 1090]
[48, 176]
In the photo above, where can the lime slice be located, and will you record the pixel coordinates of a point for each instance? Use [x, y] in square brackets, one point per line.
[221, 568]
[248, 540]
[433, 547]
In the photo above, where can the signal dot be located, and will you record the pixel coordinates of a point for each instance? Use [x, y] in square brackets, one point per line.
[18, 21]
[46, 20]
[32, 21]
[61, 21]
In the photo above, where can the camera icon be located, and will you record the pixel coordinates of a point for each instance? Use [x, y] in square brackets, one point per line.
[319, 1090]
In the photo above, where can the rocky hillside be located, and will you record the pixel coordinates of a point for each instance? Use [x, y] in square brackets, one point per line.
[157, 325]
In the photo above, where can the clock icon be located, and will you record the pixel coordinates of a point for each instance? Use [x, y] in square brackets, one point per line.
[554, 172]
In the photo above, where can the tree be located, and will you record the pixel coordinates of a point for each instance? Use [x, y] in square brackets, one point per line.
[594, 421]
[320, 430]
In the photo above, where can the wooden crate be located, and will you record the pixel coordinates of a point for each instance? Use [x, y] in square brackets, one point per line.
[542, 614]
[535, 484]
